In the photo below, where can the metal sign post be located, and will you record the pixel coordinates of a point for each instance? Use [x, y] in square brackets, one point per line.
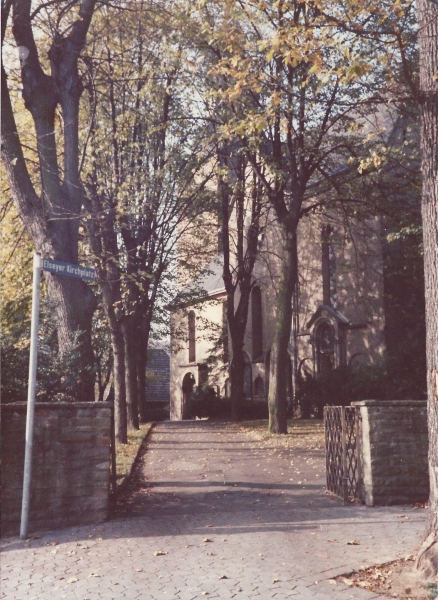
[31, 395]
[58, 268]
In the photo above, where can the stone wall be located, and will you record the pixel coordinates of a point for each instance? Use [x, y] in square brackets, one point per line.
[70, 469]
[393, 451]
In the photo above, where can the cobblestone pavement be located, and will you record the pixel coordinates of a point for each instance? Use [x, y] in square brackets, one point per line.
[214, 514]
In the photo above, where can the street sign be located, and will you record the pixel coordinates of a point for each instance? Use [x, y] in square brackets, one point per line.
[59, 268]
[62, 268]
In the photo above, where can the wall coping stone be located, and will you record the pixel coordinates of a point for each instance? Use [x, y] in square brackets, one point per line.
[20, 406]
[389, 403]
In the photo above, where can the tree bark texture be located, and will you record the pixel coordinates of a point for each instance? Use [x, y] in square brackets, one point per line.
[103, 242]
[129, 328]
[142, 343]
[120, 414]
[52, 218]
[237, 376]
[277, 397]
[239, 277]
[428, 41]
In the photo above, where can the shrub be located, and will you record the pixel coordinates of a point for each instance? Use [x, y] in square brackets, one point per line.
[345, 384]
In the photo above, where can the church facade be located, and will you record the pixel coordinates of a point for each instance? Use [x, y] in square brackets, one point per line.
[338, 314]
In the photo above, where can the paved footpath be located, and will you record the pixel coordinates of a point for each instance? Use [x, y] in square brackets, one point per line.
[212, 513]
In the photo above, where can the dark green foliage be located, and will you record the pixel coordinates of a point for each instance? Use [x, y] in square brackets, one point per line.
[57, 375]
[345, 384]
[14, 369]
[405, 328]
[432, 590]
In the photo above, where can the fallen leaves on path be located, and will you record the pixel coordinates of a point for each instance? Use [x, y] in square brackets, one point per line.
[396, 579]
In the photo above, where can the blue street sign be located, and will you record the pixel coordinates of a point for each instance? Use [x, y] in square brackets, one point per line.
[62, 268]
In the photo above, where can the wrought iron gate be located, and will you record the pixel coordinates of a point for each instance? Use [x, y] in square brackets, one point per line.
[342, 437]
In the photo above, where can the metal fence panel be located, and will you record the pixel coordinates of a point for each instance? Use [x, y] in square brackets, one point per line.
[342, 436]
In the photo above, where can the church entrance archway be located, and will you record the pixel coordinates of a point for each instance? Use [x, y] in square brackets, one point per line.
[188, 384]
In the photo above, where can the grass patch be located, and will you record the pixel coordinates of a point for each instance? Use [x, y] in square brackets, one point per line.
[301, 432]
[126, 453]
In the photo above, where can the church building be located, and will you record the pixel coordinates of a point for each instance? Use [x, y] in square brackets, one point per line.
[338, 313]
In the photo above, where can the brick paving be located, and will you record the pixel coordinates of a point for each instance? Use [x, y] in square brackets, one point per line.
[213, 513]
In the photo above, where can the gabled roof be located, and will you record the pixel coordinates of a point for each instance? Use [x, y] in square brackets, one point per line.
[208, 282]
[339, 317]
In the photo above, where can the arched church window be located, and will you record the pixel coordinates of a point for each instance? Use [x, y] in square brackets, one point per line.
[257, 323]
[192, 336]
[325, 348]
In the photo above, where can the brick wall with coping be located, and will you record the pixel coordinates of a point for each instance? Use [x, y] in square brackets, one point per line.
[70, 468]
[393, 451]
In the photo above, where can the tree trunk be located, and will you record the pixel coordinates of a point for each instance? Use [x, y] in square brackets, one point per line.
[427, 560]
[73, 304]
[245, 261]
[142, 359]
[72, 299]
[277, 398]
[237, 319]
[237, 376]
[120, 415]
[109, 295]
[129, 336]
[52, 219]
[141, 382]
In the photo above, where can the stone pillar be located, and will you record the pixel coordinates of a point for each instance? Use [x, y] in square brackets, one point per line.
[393, 451]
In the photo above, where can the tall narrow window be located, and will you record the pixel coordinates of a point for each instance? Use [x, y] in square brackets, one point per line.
[192, 337]
[257, 327]
[325, 264]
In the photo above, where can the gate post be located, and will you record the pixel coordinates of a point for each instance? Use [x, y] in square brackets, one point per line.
[344, 456]
[359, 484]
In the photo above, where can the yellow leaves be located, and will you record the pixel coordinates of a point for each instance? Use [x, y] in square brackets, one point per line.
[317, 67]
[374, 160]
[270, 55]
[16, 269]
[357, 69]
[275, 98]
